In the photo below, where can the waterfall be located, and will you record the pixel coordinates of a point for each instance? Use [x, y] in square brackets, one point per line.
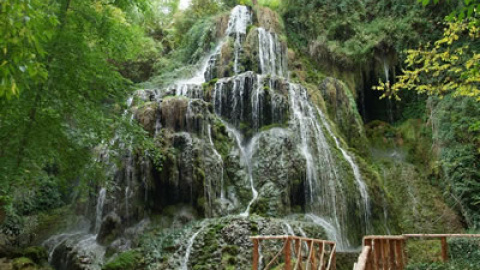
[270, 53]
[240, 18]
[220, 161]
[385, 70]
[323, 196]
[184, 264]
[256, 109]
[385, 214]
[127, 189]
[362, 187]
[246, 153]
[330, 230]
[99, 210]
[289, 229]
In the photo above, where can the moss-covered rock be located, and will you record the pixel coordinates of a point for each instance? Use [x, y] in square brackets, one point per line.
[128, 260]
[24, 263]
[36, 253]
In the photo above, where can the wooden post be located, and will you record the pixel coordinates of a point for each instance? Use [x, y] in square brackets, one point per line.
[321, 251]
[288, 265]
[255, 254]
[384, 254]
[399, 254]
[391, 261]
[314, 257]
[377, 249]
[444, 249]
[368, 242]
[334, 259]
[405, 254]
[297, 245]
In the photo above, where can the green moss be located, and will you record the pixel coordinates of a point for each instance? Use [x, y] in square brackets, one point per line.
[23, 263]
[36, 253]
[125, 261]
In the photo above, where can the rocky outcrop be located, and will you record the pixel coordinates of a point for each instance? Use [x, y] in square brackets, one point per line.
[342, 109]
[269, 20]
[224, 243]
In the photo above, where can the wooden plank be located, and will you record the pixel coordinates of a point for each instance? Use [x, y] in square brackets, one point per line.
[322, 256]
[405, 254]
[442, 235]
[384, 237]
[444, 249]
[255, 254]
[391, 261]
[279, 237]
[377, 250]
[399, 254]
[384, 258]
[333, 260]
[314, 257]
[363, 258]
[298, 248]
[288, 263]
[309, 254]
[369, 259]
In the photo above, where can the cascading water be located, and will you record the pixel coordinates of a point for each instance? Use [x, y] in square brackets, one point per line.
[220, 161]
[99, 211]
[240, 18]
[246, 153]
[188, 250]
[362, 187]
[289, 228]
[324, 198]
[330, 230]
[270, 54]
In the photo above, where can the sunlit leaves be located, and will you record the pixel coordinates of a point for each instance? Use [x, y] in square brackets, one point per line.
[450, 65]
[25, 27]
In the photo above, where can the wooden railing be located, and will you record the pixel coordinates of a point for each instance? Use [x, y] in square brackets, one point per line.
[318, 255]
[389, 252]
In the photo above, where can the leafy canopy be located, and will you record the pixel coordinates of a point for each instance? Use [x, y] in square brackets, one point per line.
[451, 65]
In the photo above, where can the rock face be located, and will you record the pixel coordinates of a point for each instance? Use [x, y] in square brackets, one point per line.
[237, 140]
[223, 243]
[343, 111]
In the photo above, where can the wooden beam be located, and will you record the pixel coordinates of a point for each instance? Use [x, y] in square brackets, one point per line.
[321, 250]
[444, 249]
[363, 258]
[391, 247]
[377, 251]
[255, 254]
[288, 264]
[442, 235]
[385, 253]
[399, 254]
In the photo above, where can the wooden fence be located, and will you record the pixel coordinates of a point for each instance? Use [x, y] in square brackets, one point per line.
[389, 252]
[318, 255]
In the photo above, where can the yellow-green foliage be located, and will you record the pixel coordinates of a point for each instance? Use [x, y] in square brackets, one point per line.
[451, 65]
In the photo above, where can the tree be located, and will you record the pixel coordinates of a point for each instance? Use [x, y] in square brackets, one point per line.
[67, 83]
[451, 65]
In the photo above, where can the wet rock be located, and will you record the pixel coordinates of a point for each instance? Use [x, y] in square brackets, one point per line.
[23, 264]
[147, 115]
[36, 254]
[111, 226]
[342, 109]
[269, 20]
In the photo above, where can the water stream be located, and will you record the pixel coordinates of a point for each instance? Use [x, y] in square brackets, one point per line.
[99, 209]
[188, 251]
[362, 187]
